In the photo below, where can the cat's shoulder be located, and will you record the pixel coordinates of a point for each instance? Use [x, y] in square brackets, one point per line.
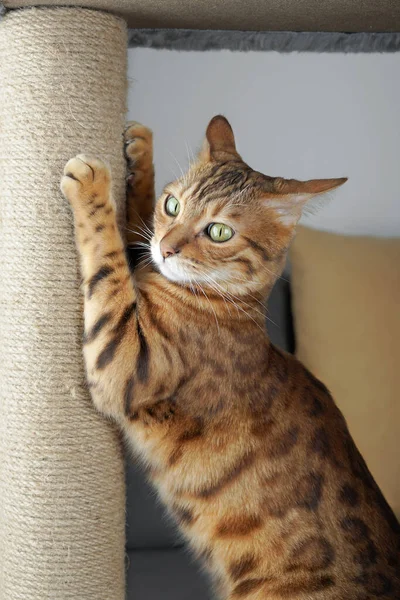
[284, 363]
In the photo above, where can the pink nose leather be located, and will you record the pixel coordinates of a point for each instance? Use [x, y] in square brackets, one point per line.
[173, 241]
[167, 249]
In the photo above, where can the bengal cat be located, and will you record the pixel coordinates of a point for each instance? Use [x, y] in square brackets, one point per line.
[244, 445]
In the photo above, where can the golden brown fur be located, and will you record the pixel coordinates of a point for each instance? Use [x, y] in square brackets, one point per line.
[245, 447]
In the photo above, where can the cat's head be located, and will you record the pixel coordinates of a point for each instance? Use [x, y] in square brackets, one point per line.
[223, 224]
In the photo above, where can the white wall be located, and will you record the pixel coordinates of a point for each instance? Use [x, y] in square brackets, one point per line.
[295, 115]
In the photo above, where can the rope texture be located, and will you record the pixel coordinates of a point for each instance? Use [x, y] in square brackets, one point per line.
[62, 496]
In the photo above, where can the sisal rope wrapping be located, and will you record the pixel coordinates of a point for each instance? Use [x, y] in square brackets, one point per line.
[62, 496]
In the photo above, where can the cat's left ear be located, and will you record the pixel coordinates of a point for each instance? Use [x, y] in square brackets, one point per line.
[219, 139]
[288, 197]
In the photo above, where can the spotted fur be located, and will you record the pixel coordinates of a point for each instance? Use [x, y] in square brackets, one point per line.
[246, 448]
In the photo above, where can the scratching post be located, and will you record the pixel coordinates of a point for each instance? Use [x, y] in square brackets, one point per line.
[62, 497]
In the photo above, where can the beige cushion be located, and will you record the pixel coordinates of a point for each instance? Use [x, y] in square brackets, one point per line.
[346, 305]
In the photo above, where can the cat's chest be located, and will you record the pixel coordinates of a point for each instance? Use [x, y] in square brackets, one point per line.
[221, 362]
[212, 378]
[206, 410]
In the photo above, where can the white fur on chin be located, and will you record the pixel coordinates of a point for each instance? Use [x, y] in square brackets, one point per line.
[170, 268]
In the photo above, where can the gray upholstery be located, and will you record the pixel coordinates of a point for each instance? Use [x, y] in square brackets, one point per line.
[146, 525]
[168, 574]
[159, 567]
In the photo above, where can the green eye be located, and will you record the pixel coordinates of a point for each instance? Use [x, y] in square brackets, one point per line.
[172, 206]
[219, 232]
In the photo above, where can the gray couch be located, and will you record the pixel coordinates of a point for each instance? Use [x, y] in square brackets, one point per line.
[159, 565]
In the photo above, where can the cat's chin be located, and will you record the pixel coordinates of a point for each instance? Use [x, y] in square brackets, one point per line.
[169, 268]
[168, 272]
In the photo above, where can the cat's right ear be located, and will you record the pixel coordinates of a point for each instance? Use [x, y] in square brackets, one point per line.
[204, 154]
[219, 139]
[288, 197]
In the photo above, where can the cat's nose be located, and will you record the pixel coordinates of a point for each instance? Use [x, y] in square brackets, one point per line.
[167, 249]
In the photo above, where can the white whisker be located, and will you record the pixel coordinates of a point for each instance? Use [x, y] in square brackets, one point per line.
[184, 175]
[212, 308]
[189, 153]
[274, 274]
[137, 232]
[144, 263]
[237, 306]
[226, 295]
[140, 243]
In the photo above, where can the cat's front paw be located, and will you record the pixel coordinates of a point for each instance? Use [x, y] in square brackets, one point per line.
[85, 179]
[138, 150]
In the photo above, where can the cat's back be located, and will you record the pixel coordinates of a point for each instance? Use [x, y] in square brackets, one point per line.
[350, 525]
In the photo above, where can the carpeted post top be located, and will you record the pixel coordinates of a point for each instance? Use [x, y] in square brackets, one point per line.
[250, 15]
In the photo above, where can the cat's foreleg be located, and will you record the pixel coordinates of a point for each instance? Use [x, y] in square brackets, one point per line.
[140, 194]
[111, 340]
